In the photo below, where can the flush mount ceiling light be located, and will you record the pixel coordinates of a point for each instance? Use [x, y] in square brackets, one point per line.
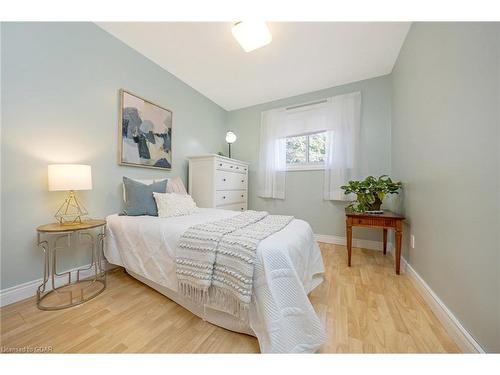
[251, 35]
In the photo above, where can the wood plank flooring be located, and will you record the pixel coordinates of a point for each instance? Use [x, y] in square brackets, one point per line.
[366, 309]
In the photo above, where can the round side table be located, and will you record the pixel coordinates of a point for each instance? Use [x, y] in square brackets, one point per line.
[53, 238]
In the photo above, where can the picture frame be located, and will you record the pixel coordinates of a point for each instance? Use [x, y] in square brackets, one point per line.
[144, 133]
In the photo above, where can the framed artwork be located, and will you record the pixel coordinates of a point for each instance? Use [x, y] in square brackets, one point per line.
[145, 128]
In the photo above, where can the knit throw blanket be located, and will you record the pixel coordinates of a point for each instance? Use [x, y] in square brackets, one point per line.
[215, 261]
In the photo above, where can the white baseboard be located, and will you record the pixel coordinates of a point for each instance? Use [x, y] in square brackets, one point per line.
[451, 324]
[27, 290]
[356, 242]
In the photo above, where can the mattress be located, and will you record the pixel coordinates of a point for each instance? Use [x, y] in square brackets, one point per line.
[288, 266]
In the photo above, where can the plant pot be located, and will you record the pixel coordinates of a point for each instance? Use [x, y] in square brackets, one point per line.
[364, 206]
[375, 206]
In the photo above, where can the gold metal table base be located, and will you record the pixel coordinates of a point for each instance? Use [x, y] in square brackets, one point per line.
[75, 297]
[71, 293]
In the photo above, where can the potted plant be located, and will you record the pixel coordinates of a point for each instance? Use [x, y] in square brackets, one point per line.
[371, 192]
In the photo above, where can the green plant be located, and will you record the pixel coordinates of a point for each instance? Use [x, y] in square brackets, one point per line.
[371, 192]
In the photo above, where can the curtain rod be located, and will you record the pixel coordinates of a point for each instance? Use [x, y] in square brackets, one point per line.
[306, 104]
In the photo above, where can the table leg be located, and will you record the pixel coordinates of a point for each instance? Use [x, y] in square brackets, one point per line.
[44, 245]
[399, 235]
[385, 241]
[349, 241]
[100, 253]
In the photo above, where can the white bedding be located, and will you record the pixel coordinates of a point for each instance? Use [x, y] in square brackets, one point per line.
[288, 266]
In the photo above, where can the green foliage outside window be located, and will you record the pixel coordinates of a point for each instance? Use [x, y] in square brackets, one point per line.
[306, 149]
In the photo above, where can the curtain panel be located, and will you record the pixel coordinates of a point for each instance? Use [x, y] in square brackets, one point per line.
[342, 159]
[339, 116]
[272, 154]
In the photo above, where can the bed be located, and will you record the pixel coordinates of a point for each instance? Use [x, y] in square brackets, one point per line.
[288, 266]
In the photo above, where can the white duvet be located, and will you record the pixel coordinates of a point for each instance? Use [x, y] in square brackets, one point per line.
[288, 266]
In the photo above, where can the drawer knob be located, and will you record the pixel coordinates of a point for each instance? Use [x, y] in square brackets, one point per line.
[241, 208]
[223, 179]
[220, 164]
[223, 197]
[231, 166]
[242, 180]
[242, 195]
[237, 167]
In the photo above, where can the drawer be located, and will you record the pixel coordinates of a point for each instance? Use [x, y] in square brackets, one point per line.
[230, 181]
[234, 207]
[223, 197]
[375, 222]
[223, 165]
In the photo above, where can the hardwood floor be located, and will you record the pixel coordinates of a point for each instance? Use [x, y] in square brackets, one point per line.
[366, 308]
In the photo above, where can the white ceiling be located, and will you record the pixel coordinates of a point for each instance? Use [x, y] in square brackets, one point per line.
[302, 57]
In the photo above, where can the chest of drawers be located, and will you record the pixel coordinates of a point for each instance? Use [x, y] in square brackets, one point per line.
[218, 182]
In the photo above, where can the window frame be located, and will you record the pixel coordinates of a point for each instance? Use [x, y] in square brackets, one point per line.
[307, 166]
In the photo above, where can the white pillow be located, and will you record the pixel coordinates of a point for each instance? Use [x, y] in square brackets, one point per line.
[173, 204]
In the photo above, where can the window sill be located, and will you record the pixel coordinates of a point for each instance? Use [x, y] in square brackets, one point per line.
[307, 167]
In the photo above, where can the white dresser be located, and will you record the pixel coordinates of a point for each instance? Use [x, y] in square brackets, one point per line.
[218, 182]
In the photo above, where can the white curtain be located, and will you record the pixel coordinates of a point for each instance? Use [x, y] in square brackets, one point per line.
[339, 116]
[342, 160]
[272, 155]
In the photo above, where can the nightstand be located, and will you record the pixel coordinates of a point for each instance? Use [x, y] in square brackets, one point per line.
[385, 220]
[90, 281]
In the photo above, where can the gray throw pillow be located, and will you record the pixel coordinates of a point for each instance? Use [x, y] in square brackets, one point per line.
[140, 200]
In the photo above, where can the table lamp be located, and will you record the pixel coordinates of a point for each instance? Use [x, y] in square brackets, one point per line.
[230, 138]
[70, 177]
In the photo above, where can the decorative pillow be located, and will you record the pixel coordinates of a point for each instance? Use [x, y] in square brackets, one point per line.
[146, 182]
[173, 204]
[139, 197]
[175, 185]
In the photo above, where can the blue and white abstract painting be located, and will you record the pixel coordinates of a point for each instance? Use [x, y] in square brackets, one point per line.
[146, 133]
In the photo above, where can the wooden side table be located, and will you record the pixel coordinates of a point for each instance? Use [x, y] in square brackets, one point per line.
[55, 237]
[386, 220]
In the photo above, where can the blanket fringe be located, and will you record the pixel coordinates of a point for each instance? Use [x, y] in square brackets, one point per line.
[215, 297]
[194, 293]
[226, 301]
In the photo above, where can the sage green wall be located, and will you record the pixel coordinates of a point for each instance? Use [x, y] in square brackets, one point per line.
[304, 189]
[59, 94]
[445, 141]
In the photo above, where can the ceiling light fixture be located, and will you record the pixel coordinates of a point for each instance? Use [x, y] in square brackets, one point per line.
[251, 35]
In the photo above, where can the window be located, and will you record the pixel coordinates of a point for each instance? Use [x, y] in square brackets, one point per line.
[306, 151]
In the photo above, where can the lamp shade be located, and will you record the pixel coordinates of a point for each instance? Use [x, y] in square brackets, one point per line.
[69, 177]
[230, 137]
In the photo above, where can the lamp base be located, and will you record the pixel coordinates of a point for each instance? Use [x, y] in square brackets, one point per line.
[71, 211]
